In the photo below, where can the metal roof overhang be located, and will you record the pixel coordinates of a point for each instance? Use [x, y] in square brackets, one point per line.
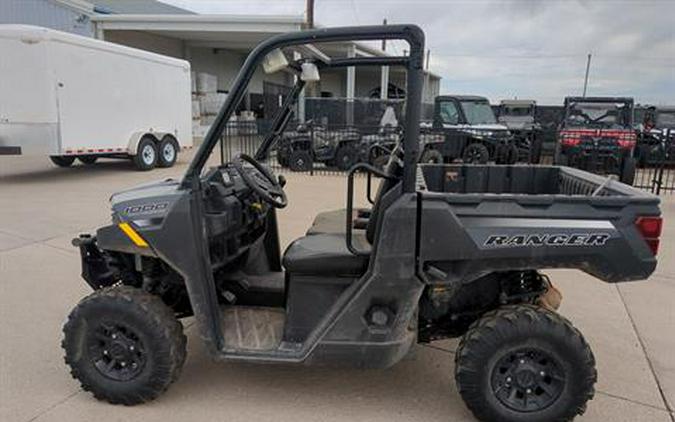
[237, 32]
[234, 32]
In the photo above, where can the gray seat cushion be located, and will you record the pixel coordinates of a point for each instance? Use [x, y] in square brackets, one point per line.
[329, 222]
[326, 254]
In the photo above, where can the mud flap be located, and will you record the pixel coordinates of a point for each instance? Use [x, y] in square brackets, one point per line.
[552, 297]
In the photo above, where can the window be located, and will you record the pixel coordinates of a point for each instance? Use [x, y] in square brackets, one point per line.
[478, 112]
[449, 113]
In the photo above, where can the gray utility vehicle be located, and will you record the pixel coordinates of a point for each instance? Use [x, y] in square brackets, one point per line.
[656, 136]
[464, 126]
[597, 135]
[445, 250]
[311, 143]
[519, 117]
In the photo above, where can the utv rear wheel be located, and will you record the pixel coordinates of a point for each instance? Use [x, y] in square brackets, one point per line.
[524, 363]
[124, 345]
[146, 154]
[300, 160]
[431, 156]
[476, 154]
[62, 160]
[345, 157]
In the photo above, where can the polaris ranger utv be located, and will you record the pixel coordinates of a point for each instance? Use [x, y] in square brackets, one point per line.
[519, 117]
[464, 126]
[444, 251]
[597, 135]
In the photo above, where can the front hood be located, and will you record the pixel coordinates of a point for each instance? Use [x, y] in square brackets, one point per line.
[147, 201]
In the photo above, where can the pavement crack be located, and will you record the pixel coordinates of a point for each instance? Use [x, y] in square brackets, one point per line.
[644, 351]
[615, 396]
[53, 406]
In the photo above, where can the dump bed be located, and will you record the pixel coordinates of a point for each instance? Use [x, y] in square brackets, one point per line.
[476, 219]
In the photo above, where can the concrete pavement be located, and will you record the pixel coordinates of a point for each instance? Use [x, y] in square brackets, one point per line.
[631, 327]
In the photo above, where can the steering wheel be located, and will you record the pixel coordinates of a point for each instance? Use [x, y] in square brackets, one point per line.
[261, 180]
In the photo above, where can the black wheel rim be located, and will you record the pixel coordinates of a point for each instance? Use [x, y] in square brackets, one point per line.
[473, 155]
[527, 380]
[116, 351]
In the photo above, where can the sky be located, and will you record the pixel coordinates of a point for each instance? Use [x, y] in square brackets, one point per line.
[516, 48]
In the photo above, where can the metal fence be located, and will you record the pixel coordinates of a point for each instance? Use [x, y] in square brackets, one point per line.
[317, 148]
[655, 156]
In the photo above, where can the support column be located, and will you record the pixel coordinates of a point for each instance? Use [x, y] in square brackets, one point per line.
[351, 87]
[301, 97]
[384, 83]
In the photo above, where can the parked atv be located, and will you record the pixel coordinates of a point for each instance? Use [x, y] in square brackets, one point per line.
[311, 143]
[519, 118]
[597, 135]
[465, 127]
[446, 250]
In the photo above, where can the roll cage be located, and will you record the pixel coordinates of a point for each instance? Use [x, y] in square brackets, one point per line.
[413, 63]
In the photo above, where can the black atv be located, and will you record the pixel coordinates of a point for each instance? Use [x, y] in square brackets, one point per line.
[311, 143]
[597, 135]
[445, 250]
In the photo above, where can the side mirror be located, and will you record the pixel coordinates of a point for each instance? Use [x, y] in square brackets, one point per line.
[275, 61]
[310, 73]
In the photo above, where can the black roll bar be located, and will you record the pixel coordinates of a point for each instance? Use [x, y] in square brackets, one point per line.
[412, 34]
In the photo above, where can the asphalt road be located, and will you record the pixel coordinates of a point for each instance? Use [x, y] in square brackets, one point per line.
[631, 327]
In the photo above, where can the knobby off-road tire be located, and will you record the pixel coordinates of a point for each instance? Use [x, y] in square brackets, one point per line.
[124, 345]
[476, 154]
[431, 156]
[520, 353]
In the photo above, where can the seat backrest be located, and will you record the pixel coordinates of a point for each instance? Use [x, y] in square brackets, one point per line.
[393, 168]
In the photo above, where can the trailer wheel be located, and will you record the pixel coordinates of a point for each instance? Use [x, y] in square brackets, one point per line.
[476, 154]
[124, 345]
[62, 160]
[628, 170]
[300, 160]
[168, 152]
[146, 154]
[524, 363]
[87, 159]
[431, 156]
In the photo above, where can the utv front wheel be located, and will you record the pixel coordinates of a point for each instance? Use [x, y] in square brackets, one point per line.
[476, 154]
[523, 364]
[300, 160]
[123, 345]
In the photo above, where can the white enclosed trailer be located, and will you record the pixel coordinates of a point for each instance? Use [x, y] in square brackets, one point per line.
[70, 97]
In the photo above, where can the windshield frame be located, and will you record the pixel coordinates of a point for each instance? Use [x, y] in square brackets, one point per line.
[623, 121]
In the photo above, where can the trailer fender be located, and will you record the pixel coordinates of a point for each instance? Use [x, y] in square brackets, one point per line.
[132, 148]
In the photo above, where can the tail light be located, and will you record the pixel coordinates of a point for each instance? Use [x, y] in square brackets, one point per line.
[570, 138]
[627, 140]
[650, 229]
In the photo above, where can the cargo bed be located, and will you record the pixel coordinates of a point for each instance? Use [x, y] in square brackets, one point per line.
[484, 218]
